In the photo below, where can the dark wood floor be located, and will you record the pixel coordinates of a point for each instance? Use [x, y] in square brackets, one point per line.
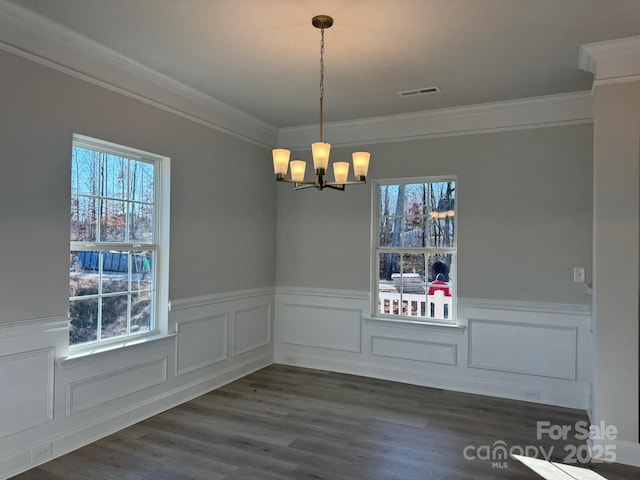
[292, 423]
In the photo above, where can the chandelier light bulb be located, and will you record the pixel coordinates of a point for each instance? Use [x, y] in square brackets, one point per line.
[360, 163]
[320, 152]
[341, 172]
[297, 170]
[280, 161]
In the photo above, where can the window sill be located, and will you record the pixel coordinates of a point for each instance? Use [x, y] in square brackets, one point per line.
[99, 351]
[431, 325]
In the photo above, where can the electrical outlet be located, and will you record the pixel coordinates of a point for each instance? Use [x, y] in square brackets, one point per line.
[578, 274]
[40, 453]
[532, 394]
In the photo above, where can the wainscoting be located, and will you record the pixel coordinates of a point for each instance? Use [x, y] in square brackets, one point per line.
[52, 403]
[521, 350]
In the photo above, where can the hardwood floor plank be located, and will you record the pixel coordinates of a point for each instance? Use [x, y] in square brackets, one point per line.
[289, 423]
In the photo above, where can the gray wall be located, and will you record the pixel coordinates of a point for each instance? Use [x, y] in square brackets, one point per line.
[524, 206]
[222, 202]
[616, 237]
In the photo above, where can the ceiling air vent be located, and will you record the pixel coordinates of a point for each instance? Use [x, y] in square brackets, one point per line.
[419, 91]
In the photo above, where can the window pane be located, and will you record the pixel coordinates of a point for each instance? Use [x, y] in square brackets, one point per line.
[112, 221]
[414, 233]
[389, 264]
[141, 228]
[84, 171]
[416, 198]
[140, 312]
[389, 231]
[388, 195]
[388, 296]
[83, 277]
[114, 176]
[440, 292]
[117, 262]
[141, 182]
[115, 272]
[442, 231]
[413, 273]
[84, 321]
[142, 264]
[88, 261]
[439, 279]
[114, 316]
[83, 219]
[442, 224]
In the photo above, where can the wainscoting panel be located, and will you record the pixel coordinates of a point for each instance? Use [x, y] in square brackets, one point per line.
[431, 352]
[201, 342]
[104, 388]
[530, 349]
[321, 326]
[15, 462]
[26, 380]
[251, 329]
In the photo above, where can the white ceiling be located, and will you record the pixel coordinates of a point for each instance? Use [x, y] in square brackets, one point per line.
[262, 56]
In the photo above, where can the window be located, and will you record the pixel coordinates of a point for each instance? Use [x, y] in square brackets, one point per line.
[119, 243]
[415, 248]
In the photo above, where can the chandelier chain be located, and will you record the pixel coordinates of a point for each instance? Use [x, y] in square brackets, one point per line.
[321, 77]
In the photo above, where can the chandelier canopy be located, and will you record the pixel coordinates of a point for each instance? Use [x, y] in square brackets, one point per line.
[320, 150]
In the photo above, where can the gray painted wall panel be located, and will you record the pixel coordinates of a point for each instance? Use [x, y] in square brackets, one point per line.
[222, 196]
[524, 206]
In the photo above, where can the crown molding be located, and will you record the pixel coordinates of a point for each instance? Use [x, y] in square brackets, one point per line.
[614, 59]
[32, 36]
[546, 111]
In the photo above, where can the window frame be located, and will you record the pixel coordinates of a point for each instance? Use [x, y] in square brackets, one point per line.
[160, 287]
[376, 250]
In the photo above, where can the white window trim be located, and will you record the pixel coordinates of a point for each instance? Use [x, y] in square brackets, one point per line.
[375, 273]
[161, 230]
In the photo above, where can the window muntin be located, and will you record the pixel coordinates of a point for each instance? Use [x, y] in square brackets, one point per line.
[116, 246]
[415, 249]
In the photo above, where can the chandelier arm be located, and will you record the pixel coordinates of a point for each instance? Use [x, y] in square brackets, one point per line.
[297, 182]
[333, 184]
[304, 185]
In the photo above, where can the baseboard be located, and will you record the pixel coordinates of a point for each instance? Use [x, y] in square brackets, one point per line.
[66, 442]
[433, 380]
[627, 453]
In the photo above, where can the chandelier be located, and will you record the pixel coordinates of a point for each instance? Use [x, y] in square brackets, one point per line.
[320, 150]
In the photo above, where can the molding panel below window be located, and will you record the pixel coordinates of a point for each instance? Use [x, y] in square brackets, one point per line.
[313, 330]
[202, 342]
[321, 326]
[431, 352]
